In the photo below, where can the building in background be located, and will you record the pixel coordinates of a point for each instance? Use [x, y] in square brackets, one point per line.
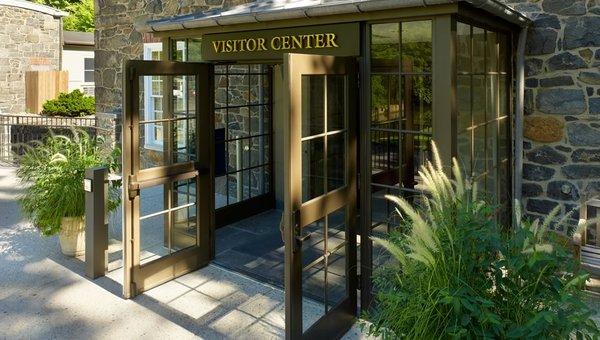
[78, 60]
[30, 40]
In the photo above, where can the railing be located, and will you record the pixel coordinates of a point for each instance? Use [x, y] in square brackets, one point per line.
[19, 130]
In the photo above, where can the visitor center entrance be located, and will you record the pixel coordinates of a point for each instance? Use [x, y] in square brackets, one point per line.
[268, 149]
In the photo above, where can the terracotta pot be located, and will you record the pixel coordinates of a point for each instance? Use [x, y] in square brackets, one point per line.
[72, 236]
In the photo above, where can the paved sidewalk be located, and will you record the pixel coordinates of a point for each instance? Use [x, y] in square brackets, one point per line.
[45, 295]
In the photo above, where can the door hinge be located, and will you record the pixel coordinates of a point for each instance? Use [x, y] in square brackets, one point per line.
[133, 188]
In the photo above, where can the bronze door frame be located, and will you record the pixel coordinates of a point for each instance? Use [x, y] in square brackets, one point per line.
[298, 214]
[137, 277]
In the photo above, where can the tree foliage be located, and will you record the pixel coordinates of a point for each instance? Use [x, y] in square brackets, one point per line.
[81, 13]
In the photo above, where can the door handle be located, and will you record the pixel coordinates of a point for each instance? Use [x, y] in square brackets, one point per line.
[299, 240]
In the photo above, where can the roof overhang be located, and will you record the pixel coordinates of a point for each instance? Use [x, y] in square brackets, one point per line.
[275, 10]
[72, 38]
[34, 7]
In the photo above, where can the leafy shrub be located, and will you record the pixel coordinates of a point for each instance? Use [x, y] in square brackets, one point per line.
[54, 171]
[74, 104]
[456, 274]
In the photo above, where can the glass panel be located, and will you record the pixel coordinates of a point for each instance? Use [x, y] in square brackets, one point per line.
[416, 47]
[194, 49]
[503, 60]
[385, 103]
[463, 46]
[385, 49]
[313, 101]
[463, 93]
[153, 223]
[234, 185]
[491, 139]
[220, 192]
[504, 143]
[478, 50]
[416, 110]
[258, 89]
[492, 97]
[184, 141]
[478, 100]
[492, 51]
[336, 103]
[152, 149]
[238, 90]
[313, 168]
[385, 156]
[184, 231]
[336, 290]
[336, 161]
[416, 150]
[238, 122]
[220, 91]
[479, 150]
[503, 96]
[464, 151]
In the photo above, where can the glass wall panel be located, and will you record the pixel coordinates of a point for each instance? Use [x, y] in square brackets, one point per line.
[401, 116]
[484, 119]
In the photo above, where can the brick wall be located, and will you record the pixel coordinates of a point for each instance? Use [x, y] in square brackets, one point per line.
[29, 41]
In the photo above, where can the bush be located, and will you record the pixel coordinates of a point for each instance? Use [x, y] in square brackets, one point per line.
[54, 171]
[74, 104]
[456, 274]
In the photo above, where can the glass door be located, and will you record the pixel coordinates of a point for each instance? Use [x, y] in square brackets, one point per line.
[168, 186]
[320, 196]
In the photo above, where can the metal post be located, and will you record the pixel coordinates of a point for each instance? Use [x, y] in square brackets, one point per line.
[96, 222]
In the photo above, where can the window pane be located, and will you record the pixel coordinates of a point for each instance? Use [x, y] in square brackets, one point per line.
[464, 151]
[194, 49]
[336, 103]
[385, 155]
[336, 161]
[88, 76]
[313, 101]
[88, 63]
[491, 51]
[478, 50]
[385, 104]
[478, 100]
[463, 93]
[463, 46]
[416, 47]
[416, 150]
[503, 51]
[313, 168]
[416, 108]
[385, 49]
[479, 150]
[491, 97]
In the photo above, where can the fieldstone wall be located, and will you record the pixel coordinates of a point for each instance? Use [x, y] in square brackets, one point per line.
[29, 41]
[562, 104]
[117, 40]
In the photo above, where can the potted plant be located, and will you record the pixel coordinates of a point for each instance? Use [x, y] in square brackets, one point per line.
[53, 171]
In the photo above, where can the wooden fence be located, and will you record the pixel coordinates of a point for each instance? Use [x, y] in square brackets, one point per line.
[41, 86]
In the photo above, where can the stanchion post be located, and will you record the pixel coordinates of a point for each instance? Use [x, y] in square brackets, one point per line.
[96, 223]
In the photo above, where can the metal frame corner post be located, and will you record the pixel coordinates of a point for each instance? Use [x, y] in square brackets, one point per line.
[96, 223]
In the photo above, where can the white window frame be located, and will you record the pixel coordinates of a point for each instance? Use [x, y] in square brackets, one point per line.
[151, 141]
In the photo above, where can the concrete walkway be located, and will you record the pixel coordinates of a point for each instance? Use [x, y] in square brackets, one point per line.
[44, 294]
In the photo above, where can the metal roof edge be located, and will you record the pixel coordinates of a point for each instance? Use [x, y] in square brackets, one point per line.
[34, 7]
[254, 12]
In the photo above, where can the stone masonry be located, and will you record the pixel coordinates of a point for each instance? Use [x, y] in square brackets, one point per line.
[117, 40]
[562, 99]
[562, 104]
[29, 41]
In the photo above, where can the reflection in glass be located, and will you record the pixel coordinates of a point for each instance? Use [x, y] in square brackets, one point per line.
[463, 48]
[416, 107]
[313, 168]
[416, 47]
[385, 103]
[463, 97]
[313, 101]
[478, 50]
[385, 46]
[336, 102]
[336, 161]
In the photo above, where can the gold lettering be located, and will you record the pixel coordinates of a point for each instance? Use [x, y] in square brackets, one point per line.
[296, 42]
[251, 45]
[306, 38]
[285, 42]
[276, 46]
[217, 46]
[242, 45]
[261, 45]
[228, 47]
[319, 40]
[331, 40]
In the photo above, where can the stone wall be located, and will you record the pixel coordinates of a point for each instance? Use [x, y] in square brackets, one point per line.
[29, 41]
[117, 40]
[562, 104]
[562, 126]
